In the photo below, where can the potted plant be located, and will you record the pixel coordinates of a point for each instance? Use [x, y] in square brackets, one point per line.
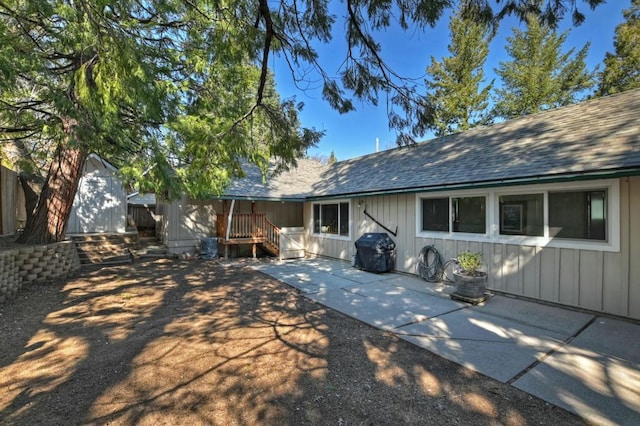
[470, 281]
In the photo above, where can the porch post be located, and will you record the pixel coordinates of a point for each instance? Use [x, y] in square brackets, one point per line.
[253, 228]
[229, 219]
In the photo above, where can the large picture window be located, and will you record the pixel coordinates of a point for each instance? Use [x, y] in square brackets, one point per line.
[578, 214]
[574, 215]
[469, 214]
[435, 214]
[460, 214]
[522, 214]
[331, 218]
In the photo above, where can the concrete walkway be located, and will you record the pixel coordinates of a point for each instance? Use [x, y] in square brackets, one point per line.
[584, 363]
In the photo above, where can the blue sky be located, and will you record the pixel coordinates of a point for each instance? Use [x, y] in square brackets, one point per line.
[409, 53]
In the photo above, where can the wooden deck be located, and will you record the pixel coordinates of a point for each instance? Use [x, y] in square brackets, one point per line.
[253, 228]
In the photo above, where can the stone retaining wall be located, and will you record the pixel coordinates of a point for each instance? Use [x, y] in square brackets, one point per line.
[31, 264]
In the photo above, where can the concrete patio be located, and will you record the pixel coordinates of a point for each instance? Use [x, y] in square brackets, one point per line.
[582, 362]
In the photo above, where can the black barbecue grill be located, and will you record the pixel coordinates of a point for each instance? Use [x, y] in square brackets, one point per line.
[375, 252]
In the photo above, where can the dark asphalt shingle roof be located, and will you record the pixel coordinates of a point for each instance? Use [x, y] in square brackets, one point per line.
[599, 135]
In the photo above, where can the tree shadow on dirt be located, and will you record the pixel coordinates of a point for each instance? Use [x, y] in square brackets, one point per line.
[209, 342]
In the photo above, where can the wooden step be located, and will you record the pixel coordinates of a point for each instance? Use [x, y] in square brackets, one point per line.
[150, 247]
[270, 248]
[106, 249]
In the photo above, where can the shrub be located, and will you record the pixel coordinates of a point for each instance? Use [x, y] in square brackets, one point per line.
[469, 262]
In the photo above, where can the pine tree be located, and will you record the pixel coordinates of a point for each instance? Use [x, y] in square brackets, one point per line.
[453, 84]
[622, 68]
[162, 88]
[332, 158]
[539, 76]
[183, 88]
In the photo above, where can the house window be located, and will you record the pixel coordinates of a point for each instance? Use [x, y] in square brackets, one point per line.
[435, 214]
[469, 214]
[331, 218]
[572, 215]
[522, 214]
[578, 214]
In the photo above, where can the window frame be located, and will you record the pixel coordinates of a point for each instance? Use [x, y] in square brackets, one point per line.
[612, 244]
[451, 234]
[522, 191]
[337, 236]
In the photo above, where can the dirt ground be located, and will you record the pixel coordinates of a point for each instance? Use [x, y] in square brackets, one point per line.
[212, 342]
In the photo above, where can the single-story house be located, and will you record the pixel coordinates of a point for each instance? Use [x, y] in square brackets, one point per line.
[100, 204]
[552, 200]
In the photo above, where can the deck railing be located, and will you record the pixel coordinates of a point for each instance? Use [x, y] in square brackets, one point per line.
[272, 234]
[243, 226]
[251, 227]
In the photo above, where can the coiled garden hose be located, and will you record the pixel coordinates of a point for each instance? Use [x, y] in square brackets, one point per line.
[431, 268]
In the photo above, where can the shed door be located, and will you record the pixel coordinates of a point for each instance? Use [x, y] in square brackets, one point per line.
[96, 207]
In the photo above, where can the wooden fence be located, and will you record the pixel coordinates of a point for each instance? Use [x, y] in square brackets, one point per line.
[8, 197]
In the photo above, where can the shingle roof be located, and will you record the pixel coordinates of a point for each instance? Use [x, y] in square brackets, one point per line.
[599, 135]
[295, 184]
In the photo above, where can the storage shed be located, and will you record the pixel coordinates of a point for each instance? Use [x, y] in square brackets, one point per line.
[100, 205]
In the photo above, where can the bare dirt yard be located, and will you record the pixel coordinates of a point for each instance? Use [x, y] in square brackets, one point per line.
[170, 342]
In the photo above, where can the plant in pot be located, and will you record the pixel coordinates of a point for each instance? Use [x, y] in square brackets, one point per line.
[470, 281]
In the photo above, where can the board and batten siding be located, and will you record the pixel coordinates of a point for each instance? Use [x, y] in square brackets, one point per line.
[390, 210]
[603, 281]
[185, 222]
[281, 213]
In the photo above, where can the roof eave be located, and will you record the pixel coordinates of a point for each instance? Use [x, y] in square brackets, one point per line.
[530, 180]
[254, 198]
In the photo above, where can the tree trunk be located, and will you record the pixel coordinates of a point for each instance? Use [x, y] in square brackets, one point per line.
[48, 224]
[31, 186]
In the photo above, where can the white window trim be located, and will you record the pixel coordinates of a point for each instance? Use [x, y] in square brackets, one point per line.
[493, 216]
[450, 235]
[328, 235]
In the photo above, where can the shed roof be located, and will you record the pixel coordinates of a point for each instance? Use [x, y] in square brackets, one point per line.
[591, 139]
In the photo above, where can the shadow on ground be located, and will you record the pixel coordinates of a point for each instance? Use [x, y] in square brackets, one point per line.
[208, 342]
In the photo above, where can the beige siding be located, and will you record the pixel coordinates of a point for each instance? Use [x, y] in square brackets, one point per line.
[324, 246]
[531, 272]
[632, 228]
[590, 285]
[550, 274]
[281, 214]
[185, 222]
[8, 190]
[596, 280]
[569, 276]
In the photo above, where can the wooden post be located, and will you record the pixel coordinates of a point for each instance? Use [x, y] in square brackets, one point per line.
[254, 223]
[228, 223]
